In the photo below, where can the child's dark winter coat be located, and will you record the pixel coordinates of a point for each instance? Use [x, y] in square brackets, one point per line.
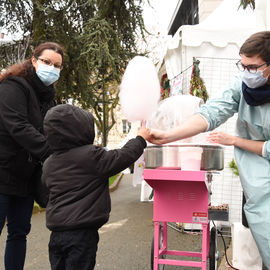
[77, 172]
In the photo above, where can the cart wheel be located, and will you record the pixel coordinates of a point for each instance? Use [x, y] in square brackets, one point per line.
[213, 252]
[160, 266]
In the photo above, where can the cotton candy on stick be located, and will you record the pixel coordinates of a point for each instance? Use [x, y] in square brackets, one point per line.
[139, 89]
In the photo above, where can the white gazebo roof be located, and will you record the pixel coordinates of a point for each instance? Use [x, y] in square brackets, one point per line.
[227, 24]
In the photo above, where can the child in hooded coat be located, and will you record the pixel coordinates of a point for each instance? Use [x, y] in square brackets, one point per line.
[77, 177]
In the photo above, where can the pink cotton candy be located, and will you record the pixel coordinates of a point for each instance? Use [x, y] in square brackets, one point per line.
[139, 90]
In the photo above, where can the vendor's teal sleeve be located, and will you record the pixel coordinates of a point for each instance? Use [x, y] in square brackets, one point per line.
[217, 110]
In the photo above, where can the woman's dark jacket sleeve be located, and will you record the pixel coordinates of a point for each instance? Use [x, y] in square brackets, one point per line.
[15, 104]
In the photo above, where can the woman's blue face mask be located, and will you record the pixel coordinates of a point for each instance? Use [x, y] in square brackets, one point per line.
[47, 74]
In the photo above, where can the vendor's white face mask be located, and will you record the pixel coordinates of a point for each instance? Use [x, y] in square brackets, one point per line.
[254, 80]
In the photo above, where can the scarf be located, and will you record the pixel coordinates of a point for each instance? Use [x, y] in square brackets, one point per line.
[45, 94]
[256, 96]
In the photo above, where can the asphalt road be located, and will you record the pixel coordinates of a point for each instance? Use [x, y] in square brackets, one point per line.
[125, 241]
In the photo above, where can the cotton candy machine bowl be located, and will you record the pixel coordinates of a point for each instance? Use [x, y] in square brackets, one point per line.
[169, 156]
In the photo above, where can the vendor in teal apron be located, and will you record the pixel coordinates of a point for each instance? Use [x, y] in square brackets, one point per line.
[249, 96]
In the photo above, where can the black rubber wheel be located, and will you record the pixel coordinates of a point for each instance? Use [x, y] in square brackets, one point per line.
[213, 253]
[161, 266]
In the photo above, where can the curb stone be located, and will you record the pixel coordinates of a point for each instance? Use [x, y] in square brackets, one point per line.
[223, 265]
[37, 209]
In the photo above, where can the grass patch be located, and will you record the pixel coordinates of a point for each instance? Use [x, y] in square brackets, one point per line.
[112, 179]
[37, 208]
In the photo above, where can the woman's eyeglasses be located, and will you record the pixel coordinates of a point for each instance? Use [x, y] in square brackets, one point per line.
[249, 68]
[49, 63]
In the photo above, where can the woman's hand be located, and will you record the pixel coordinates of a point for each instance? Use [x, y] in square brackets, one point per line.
[221, 138]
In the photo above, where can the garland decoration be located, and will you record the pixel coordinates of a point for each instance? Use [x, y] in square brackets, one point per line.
[197, 86]
[165, 89]
[246, 3]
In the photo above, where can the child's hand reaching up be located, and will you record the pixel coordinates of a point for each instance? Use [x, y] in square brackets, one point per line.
[144, 132]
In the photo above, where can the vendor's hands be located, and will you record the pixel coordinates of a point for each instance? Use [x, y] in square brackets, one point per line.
[221, 138]
[152, 135]
[157, 137]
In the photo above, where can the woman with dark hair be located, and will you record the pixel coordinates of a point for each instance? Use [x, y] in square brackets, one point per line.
[26, 94]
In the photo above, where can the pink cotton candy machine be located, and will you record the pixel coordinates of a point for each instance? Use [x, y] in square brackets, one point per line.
[181, 175]
[182, 196]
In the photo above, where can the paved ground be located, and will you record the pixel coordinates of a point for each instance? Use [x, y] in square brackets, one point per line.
[125, 242]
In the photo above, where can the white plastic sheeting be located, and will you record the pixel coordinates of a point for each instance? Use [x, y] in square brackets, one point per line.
[245, 252]
[173, 111]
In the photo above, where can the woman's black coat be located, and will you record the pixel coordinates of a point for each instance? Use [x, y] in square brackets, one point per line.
[23, 104]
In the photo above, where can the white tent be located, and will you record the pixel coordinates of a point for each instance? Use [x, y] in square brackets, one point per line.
[220, 35]
[216, 42]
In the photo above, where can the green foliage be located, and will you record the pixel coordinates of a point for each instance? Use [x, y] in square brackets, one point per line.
[246, 3]
[165, 90]
[151, 195]
[197, 86]
[99, 37]
[112, 179]
[37, 208]
[234, 167]
[16, 15]
[14, 52]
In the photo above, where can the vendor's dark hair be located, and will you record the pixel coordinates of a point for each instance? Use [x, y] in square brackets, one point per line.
[26, 69]
[257, 44]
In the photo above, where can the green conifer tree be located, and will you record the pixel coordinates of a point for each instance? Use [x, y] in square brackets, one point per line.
[99, 37]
